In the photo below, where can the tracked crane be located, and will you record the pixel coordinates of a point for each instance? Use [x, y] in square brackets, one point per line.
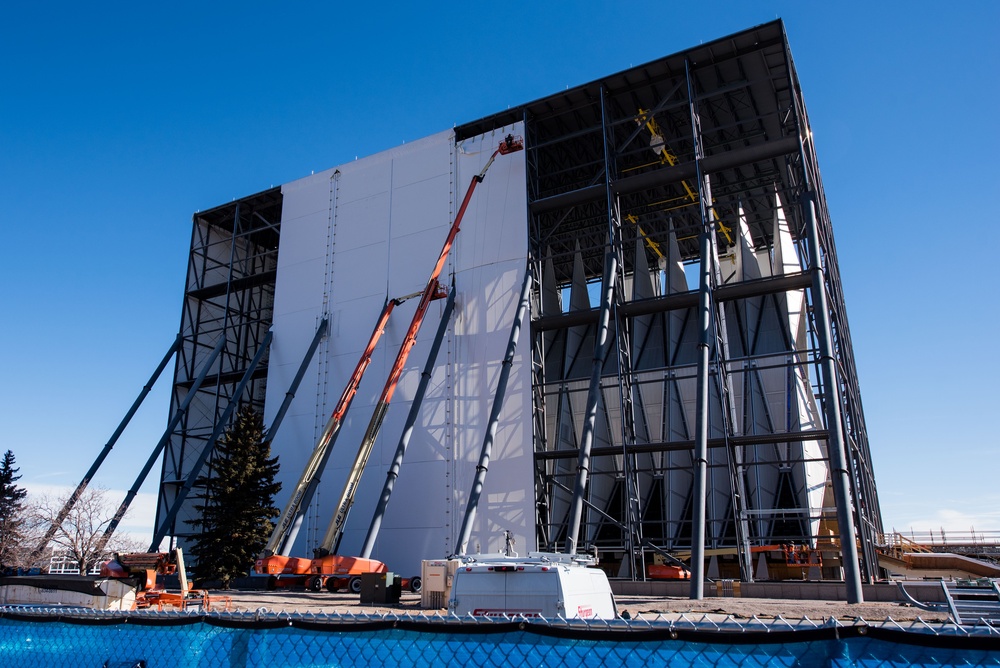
[328, 569]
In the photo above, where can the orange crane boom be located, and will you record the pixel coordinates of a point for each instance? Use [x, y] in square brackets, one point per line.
[326, 562]
[433, 290]
[285, 530]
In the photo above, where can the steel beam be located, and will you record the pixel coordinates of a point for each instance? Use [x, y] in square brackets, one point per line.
[209, 447]
[677, 446]
[158, 448]
[836, 445]
[411, 420]
[677, 302]
[666, 176]
[705, 344]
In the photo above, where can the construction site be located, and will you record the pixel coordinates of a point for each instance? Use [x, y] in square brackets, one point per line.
[608, 322]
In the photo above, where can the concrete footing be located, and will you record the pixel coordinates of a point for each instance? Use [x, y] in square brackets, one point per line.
[885, 592]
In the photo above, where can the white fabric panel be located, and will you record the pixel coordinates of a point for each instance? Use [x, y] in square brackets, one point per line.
[390, 215]
[419, 209]
[298, 308]
[361, 273]
[412, 258]
[483, 329]
[489, 260]
[404, 534]
[365, 179]
[300, 289]
[361, 222]
[302, 260]
[498, 200]
[302, 195]
[305, 206]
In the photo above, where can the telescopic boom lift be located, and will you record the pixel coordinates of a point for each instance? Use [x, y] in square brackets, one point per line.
[274, 557]
[330, 570]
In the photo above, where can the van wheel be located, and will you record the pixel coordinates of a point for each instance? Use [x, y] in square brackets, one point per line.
[354, 585]
[416, 584]
[315, 584]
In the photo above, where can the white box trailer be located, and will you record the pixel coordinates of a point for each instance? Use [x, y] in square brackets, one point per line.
[543, 585]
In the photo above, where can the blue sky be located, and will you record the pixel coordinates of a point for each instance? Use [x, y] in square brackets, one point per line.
[119, 121]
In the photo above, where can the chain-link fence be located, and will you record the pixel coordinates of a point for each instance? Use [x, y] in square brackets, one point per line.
[40, 639]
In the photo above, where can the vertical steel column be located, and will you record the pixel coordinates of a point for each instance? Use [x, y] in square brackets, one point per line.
[623, 333]
[590, 413]
[705, 340]
[839, 467]
[600, 355]
[484, 457]
[700, 460]
[404, 439]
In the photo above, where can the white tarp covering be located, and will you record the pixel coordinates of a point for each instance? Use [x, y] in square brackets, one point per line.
[371, 229]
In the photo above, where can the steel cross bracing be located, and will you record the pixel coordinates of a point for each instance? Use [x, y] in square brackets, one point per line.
[754, 152]
[631, 494]
[230, 294]
[757, 161]
[867, 513]
[723, 382]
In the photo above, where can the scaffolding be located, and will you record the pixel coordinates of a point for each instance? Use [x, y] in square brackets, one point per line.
[707, 155]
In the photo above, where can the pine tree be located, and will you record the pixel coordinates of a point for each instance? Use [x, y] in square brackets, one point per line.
[238, 502]
[11, 512]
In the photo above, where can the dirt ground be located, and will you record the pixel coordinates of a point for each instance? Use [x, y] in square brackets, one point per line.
[646, 606]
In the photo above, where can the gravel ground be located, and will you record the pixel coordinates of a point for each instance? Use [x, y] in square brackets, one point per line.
[646, 606]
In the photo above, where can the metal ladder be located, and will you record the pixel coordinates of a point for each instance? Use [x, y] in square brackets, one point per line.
[973, 603]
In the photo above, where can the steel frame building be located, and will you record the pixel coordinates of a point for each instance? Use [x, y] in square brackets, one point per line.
[693, 378]
[222, 359]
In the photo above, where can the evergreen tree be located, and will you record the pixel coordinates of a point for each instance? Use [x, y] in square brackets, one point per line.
[238, 502]
[11, 512]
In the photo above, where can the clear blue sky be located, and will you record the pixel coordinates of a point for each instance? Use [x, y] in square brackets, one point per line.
[118, 121]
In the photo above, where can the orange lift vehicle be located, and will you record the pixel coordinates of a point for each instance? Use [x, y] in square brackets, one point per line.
[327, 569]
[147, 567]
[274, 560]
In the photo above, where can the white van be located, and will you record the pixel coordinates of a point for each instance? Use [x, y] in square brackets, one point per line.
[544, 584]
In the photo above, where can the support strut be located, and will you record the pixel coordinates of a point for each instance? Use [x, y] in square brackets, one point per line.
[491, 430]
[174, 421]
[404, 439]
[89, 475]
[206, 451]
